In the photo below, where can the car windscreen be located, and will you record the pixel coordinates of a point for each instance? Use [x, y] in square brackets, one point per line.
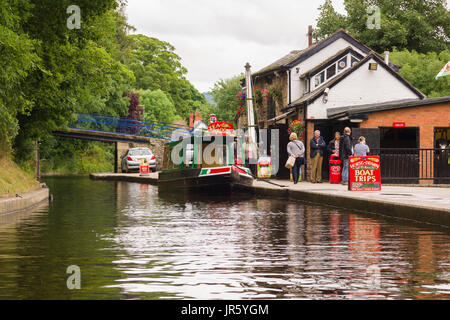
[140, 152]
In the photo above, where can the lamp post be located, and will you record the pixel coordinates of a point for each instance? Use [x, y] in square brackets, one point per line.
[249, 94]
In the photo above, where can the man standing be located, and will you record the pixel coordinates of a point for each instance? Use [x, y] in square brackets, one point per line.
[345, 151]
[318, 146]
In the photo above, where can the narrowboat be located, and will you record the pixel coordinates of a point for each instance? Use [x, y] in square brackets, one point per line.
[205, 163]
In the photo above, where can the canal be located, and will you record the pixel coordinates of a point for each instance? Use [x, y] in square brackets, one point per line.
[131, 243]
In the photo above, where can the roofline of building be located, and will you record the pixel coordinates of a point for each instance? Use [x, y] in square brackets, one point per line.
[330, 61]
[316, 47]
[340, 112]
[346, 73]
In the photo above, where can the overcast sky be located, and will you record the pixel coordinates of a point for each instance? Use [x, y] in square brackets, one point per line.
[215, 38]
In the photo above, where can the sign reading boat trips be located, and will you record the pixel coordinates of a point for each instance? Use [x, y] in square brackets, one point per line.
[364, 173]
[220, 129]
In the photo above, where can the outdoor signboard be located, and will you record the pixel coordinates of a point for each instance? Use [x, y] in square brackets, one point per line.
[399, 125]
[264, 167]
[220, 129]
[213, 118]
[364, 173]
[144, 169]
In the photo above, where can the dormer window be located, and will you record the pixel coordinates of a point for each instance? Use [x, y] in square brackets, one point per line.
[319, 79]
[331, 71]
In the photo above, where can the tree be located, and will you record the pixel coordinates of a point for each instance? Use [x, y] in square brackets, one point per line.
[421, 25]
[421, 69]
[156, 66]
[77, 72]
[18, 60]
[158, 106]
[329, 21]
[224, 94]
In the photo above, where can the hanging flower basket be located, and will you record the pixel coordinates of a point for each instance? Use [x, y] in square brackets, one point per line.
[298, 127]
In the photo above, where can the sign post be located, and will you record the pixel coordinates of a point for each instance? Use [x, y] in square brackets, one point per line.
[364, 173]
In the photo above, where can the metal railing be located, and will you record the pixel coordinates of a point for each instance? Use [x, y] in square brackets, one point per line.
[412, 165]
[154, 129]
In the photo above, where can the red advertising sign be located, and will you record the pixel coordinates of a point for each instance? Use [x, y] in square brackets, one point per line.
[144, 169]
[364, 173]
[399, 125]
[220, 128]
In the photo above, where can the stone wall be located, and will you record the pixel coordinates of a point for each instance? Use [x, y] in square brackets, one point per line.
[155, 145]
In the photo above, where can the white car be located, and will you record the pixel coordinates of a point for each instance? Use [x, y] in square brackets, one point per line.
[132, 159]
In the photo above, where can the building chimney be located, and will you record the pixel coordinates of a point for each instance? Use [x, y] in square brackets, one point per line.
[310, 39]
[386, 57]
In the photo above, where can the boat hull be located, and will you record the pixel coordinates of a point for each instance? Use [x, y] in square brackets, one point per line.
[195, 180]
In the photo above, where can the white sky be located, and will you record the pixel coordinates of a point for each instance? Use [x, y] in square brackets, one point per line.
[215, 38]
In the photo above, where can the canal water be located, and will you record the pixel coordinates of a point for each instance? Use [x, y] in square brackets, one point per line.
[131, 243]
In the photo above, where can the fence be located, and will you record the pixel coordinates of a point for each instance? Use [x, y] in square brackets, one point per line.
[414, 165]
[154, 129]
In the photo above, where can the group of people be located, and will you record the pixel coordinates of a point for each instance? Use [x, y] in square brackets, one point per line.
[341, 146]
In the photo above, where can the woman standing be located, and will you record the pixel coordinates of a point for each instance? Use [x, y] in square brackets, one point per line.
[333, 146]
[296, 149]
[361, 149]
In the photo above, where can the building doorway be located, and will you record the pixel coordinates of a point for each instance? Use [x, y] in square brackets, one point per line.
[282, 173]
[400, 154]
[442, 155]
[327, 131]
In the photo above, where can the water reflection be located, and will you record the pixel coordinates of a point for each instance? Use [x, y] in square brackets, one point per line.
[132, 243]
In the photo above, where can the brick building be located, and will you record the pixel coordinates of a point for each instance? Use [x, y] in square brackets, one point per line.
[340, 75]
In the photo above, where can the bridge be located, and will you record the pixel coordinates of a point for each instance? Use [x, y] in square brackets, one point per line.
[124, 133]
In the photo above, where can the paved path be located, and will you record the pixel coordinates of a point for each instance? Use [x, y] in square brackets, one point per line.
[426, 197]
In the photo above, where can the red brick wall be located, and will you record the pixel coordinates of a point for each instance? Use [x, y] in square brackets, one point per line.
[425, 117]
[262, 83]
[309, 135]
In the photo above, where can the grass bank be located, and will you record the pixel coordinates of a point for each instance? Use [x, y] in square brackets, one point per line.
[13, 179]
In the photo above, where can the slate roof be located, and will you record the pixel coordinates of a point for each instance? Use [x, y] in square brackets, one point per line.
[295, 57]
[334, 113]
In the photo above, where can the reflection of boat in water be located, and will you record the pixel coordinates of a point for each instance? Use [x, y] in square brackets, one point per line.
[208, 165]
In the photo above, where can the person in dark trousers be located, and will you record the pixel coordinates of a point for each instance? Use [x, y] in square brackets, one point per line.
[345, 151]
[318, 147]
[296, 149]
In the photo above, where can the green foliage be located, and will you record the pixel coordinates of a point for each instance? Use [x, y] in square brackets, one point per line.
[157, 66]
[77, 71]
[18, 59]
[421, 25]
[76, 156]
[48, 73]
[158, 106]
[224, 94]
[329, 21]
[421, 69]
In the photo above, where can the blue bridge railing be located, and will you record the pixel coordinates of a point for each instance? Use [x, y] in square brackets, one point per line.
[154, 129]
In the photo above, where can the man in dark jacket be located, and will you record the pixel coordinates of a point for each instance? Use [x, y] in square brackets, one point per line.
[345, 151]
[318, 146]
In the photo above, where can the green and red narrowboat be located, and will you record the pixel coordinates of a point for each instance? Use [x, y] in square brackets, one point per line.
[200, 169]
